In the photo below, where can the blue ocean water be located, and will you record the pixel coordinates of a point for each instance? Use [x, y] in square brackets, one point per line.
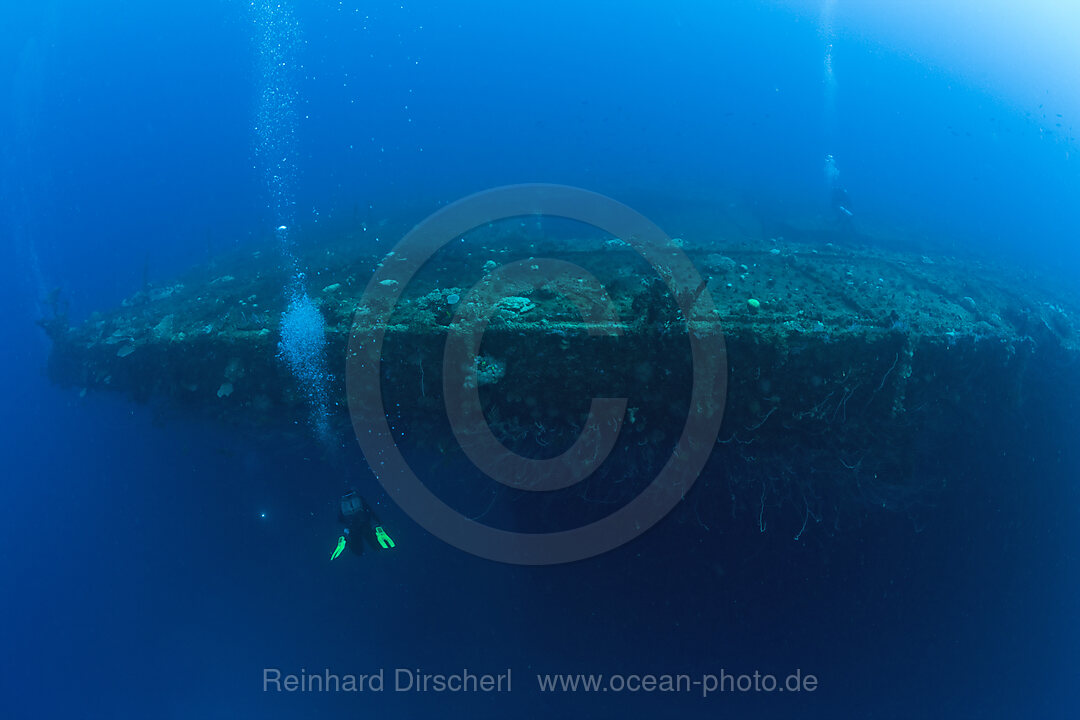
[158, 565]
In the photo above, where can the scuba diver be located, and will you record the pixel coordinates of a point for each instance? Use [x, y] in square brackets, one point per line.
[839, 200]
[362, 525]
[841, 203]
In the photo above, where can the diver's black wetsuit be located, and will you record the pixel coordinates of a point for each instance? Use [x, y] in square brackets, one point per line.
[361, 526]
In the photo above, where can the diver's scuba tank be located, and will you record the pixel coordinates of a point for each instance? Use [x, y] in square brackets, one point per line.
[351, 503]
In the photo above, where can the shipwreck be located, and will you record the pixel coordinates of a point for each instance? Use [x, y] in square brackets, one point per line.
[847, 370]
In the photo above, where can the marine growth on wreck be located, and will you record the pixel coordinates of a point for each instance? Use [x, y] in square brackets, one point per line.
[848, 369]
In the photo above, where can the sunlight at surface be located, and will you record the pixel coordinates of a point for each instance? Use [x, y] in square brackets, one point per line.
[1025, 53]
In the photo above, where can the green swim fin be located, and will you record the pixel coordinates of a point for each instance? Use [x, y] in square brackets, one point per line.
[339, 548]
[384, 540]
